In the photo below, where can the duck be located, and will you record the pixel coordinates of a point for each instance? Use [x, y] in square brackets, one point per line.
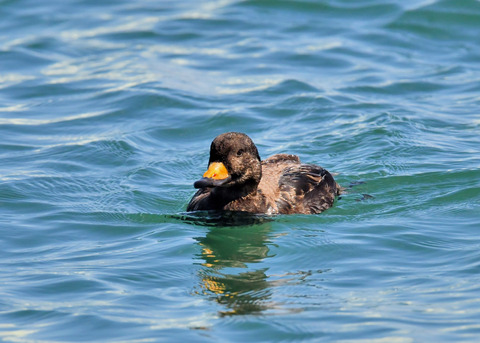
[238, 180]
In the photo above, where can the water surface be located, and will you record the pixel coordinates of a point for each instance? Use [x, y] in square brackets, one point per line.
[107, 112]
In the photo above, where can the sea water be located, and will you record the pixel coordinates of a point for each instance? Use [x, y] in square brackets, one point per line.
[107, 111]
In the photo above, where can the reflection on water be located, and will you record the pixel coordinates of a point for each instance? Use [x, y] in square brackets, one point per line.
[231, 274]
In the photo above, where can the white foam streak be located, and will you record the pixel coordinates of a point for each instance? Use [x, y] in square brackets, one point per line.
[31, 121]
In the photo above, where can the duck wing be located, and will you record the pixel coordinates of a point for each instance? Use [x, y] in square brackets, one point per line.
[200, 201]
[306, 189]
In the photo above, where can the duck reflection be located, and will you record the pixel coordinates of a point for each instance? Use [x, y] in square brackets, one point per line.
[230, 276]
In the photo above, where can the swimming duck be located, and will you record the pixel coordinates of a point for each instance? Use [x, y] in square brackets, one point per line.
[238, 180]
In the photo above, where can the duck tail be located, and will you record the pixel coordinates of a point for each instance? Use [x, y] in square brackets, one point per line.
[339, 189]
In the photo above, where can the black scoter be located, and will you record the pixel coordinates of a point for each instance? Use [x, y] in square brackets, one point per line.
[238, 180]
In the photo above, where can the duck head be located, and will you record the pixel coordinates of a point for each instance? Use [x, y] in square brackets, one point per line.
[234, 163]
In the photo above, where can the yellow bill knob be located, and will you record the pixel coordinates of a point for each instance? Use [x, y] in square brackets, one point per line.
[217, 171]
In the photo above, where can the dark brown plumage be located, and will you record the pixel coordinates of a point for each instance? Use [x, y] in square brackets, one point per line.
[237, 180]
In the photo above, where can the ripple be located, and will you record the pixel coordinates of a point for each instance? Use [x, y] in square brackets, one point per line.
[457, 17]
[107, 114]
[34, 122]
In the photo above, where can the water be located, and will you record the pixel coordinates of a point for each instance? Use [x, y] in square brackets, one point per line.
[107, 111]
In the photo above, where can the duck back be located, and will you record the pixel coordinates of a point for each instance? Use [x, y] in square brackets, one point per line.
[288, 187]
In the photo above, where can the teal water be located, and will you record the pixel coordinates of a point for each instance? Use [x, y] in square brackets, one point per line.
[107, 111]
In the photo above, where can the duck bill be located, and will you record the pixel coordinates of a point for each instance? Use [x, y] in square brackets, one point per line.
[209, 182]
[216, 175]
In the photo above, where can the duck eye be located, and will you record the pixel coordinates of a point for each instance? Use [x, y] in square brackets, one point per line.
[240, 152]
